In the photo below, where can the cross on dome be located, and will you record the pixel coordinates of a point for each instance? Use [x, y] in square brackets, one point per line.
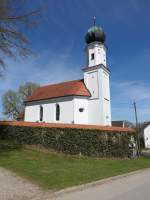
[94, 20]
[95, 33]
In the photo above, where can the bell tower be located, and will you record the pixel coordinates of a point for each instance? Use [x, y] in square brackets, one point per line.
[95, 49]
[96, 77]
[96, 54]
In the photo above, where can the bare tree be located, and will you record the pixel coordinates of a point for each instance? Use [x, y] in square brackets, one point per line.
[26, 90]
[10, 103]
[13, 41]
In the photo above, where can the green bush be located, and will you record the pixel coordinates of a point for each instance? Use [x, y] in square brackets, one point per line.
[7, 145]
[87, 142]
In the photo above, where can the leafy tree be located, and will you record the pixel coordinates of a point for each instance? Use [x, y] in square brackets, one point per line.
[13, 101]
[13, 41]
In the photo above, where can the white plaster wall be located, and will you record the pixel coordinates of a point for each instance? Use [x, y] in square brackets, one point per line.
[95, 112]
[106, 97]
[93, 84]
[49, 110]
[99, 106]
[107, 113]
[147, 136]
[95, 103]
[80, 117]
[32, 113]
[100, 55]
[99, 51]
[105, 84]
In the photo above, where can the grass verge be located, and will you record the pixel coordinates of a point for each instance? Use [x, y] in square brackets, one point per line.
[56, 171]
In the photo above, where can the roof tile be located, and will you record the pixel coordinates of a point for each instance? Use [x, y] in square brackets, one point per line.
[70, 88]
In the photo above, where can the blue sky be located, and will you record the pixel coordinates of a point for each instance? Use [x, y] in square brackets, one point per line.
[59, 46]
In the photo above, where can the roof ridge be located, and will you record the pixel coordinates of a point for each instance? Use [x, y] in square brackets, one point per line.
[61, 83]
[85, 86]
[68, 88]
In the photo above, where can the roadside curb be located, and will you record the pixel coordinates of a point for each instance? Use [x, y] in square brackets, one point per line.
[94, 184]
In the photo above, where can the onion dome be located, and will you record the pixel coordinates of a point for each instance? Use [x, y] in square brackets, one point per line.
[95, 34]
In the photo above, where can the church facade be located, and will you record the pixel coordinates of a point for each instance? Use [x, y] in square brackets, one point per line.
[85, 101]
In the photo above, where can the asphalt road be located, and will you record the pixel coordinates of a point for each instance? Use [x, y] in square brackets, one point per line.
[134, 187]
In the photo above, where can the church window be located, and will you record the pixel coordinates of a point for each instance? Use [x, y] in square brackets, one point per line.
[81, 109]
[57, 112]
[92, 56]
[41, 113]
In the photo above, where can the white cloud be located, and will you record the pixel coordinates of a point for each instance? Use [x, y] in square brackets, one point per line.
[124, 93]
[132, 90]
[46, 68]
[136, 5]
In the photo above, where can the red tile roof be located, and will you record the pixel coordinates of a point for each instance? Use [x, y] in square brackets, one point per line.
[70, 88]
[118, 123]
[72, 126]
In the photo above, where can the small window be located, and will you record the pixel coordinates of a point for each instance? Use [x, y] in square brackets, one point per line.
[92, 56]
[41, 113]
[57, 112]
[81, 109]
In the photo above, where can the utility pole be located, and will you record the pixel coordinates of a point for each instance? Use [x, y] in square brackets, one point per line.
[137, 128]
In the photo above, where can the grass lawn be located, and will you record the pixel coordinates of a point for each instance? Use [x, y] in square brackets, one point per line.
[56, 171]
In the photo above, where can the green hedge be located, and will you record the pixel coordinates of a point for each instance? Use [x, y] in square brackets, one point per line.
[87, 142]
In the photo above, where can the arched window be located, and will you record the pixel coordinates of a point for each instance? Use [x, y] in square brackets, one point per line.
[92, 56]
[41, 113]
[57, 112]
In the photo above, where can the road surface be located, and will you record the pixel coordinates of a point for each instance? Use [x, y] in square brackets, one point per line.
[134, 187]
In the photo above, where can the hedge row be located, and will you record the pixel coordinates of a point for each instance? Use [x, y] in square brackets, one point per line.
[72, 141]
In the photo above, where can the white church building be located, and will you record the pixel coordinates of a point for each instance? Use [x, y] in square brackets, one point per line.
[85, 101]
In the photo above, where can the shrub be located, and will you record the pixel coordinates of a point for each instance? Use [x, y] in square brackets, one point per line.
[87, 142]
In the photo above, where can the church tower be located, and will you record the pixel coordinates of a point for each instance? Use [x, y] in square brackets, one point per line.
[96, 77]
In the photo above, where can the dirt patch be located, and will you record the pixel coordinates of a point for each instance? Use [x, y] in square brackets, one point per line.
[13, 187]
